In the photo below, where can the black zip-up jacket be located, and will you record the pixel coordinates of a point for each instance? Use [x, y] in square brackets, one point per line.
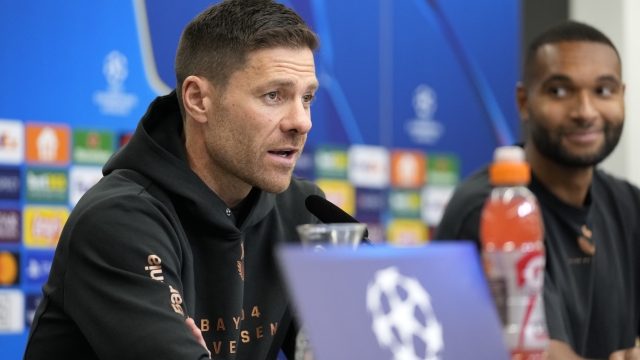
[151, 244]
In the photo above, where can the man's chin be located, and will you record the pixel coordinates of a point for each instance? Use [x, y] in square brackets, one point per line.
[581, 159]
[274, 186]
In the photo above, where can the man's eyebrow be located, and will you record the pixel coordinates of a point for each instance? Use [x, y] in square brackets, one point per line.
[279, 84]
[287, 84]
[556, 77]
[610, 78]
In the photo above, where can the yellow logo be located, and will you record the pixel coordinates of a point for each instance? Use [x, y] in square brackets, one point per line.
[339, 192]
[407, 232]
[43, 225]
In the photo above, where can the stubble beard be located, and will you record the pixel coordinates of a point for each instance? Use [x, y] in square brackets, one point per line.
[549, 144]
[235, 155]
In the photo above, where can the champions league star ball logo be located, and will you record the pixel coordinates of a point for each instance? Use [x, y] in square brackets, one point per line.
[115, 70]
[403, 319]
[424, 130]
[115, 101]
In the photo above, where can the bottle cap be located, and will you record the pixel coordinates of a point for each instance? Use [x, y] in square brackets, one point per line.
[509, 167]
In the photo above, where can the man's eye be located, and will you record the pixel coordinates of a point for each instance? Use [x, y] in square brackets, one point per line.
[605, 91]
[559, 91]
[272, 95]
[308, 98]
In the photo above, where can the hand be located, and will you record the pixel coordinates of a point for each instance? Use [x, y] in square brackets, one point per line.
[626, 354]
[559, 350]
[197, 333]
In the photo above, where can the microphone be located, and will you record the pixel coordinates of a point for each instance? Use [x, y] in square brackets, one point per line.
[328, 212]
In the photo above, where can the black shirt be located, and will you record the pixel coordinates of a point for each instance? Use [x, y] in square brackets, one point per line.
[592, 285]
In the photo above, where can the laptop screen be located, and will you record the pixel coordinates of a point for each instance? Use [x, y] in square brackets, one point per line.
[385, 303]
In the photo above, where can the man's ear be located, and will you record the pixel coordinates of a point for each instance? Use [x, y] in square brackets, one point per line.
[196, 97]
[522, 101]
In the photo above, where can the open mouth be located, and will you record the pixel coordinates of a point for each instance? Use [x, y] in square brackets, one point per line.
[282, 153]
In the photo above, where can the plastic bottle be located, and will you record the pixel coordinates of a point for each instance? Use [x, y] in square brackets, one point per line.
[512, 233]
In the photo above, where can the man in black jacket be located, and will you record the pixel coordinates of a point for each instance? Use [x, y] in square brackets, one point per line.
[571, 103]
[181, 228]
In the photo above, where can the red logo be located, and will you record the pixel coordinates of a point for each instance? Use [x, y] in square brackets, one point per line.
[531, 270]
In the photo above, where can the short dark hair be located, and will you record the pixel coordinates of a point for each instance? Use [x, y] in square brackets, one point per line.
[564, 31]
[216, 43]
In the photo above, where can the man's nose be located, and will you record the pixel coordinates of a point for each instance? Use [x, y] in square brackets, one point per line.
[585, 109]
[298, 119]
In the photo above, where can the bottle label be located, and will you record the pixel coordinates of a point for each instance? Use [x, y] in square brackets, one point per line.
[516, 280]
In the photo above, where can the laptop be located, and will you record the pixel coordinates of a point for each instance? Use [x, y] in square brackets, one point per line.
[390, 303]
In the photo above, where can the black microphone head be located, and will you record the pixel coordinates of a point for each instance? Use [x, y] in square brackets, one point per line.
[328, 212]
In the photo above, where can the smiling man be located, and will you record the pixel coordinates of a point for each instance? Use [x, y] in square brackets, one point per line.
[571, 102]
[177, 238]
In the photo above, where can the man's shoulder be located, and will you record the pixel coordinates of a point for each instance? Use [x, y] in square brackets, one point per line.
[112, 187]
[461, 217]
[613, 180]
[473, 190]
[616, 187]
[116, 196]
[477, 185]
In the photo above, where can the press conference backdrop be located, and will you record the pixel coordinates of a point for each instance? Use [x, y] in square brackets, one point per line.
[415, 94]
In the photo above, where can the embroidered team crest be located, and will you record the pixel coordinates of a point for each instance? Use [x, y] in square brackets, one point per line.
[585, 242]
[240, 264]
